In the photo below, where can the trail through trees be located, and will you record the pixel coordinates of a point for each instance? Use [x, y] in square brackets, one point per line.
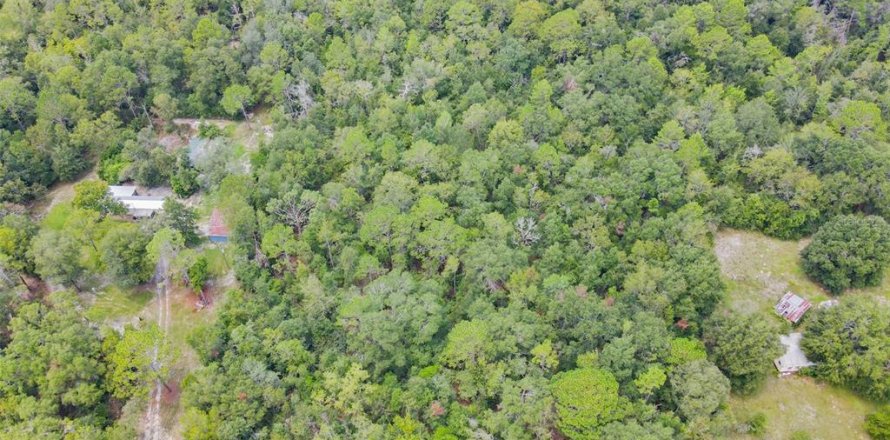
[153, 427]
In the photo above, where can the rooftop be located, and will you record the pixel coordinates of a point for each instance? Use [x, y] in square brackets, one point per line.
[143, 201]
[142, 206]
[118, 191]
[218, 226]
[792, 307]
[794, 358]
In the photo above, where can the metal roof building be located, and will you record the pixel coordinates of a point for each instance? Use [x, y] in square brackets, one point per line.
[792, 307]
[118, 191]
[142, 206]
[138, 206]
[794, 358]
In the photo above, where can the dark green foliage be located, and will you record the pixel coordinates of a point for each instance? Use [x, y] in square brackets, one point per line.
[184, 179]
[53, 373]
[180, 218]
[197, 273]
[642, 344]
[633, 430]
[452, 219]
[393, 304]
[743, 347]
[772, 216]
[57, 257]
[757, 424]
[757, 120]
[122, 251]
[851, 345]
[150, 165]
[699, 389]
[877, 424]
[849, 251]
[16, 233]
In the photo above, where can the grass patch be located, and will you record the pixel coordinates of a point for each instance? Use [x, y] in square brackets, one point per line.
[184, 319]
[114, 302]
[216, 261]
[239, 150]
[57, 215]
[247, 136]
[230, 128]
[758, 270]
[801, 404]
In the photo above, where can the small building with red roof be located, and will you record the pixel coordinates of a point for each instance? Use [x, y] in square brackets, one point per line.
[792, 307]
[218, 231]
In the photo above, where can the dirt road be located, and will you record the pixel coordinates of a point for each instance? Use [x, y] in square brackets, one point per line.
[153, 426]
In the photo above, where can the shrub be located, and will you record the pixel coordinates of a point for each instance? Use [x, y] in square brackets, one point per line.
[849, 251]
[878, 424]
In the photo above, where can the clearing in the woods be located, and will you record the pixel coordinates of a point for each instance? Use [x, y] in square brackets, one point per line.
[757, 270]
[177, 310]
[801, 404]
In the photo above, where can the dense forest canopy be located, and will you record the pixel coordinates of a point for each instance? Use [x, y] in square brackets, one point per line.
[475, 219]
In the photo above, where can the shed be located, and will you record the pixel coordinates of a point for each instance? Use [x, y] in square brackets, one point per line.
[142, 206]
[218, 232]
[794, 358]
[118, 191]
[792, 307]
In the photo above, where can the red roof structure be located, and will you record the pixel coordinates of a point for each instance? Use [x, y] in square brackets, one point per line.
[792, 307]
[218, 226]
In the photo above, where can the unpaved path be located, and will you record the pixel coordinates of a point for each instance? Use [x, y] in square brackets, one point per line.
[153, 426]
[60, 192]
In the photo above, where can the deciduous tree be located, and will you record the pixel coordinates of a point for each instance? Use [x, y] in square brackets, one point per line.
[137, 360]
[849, 251]
[743, 347]
[94, 195]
